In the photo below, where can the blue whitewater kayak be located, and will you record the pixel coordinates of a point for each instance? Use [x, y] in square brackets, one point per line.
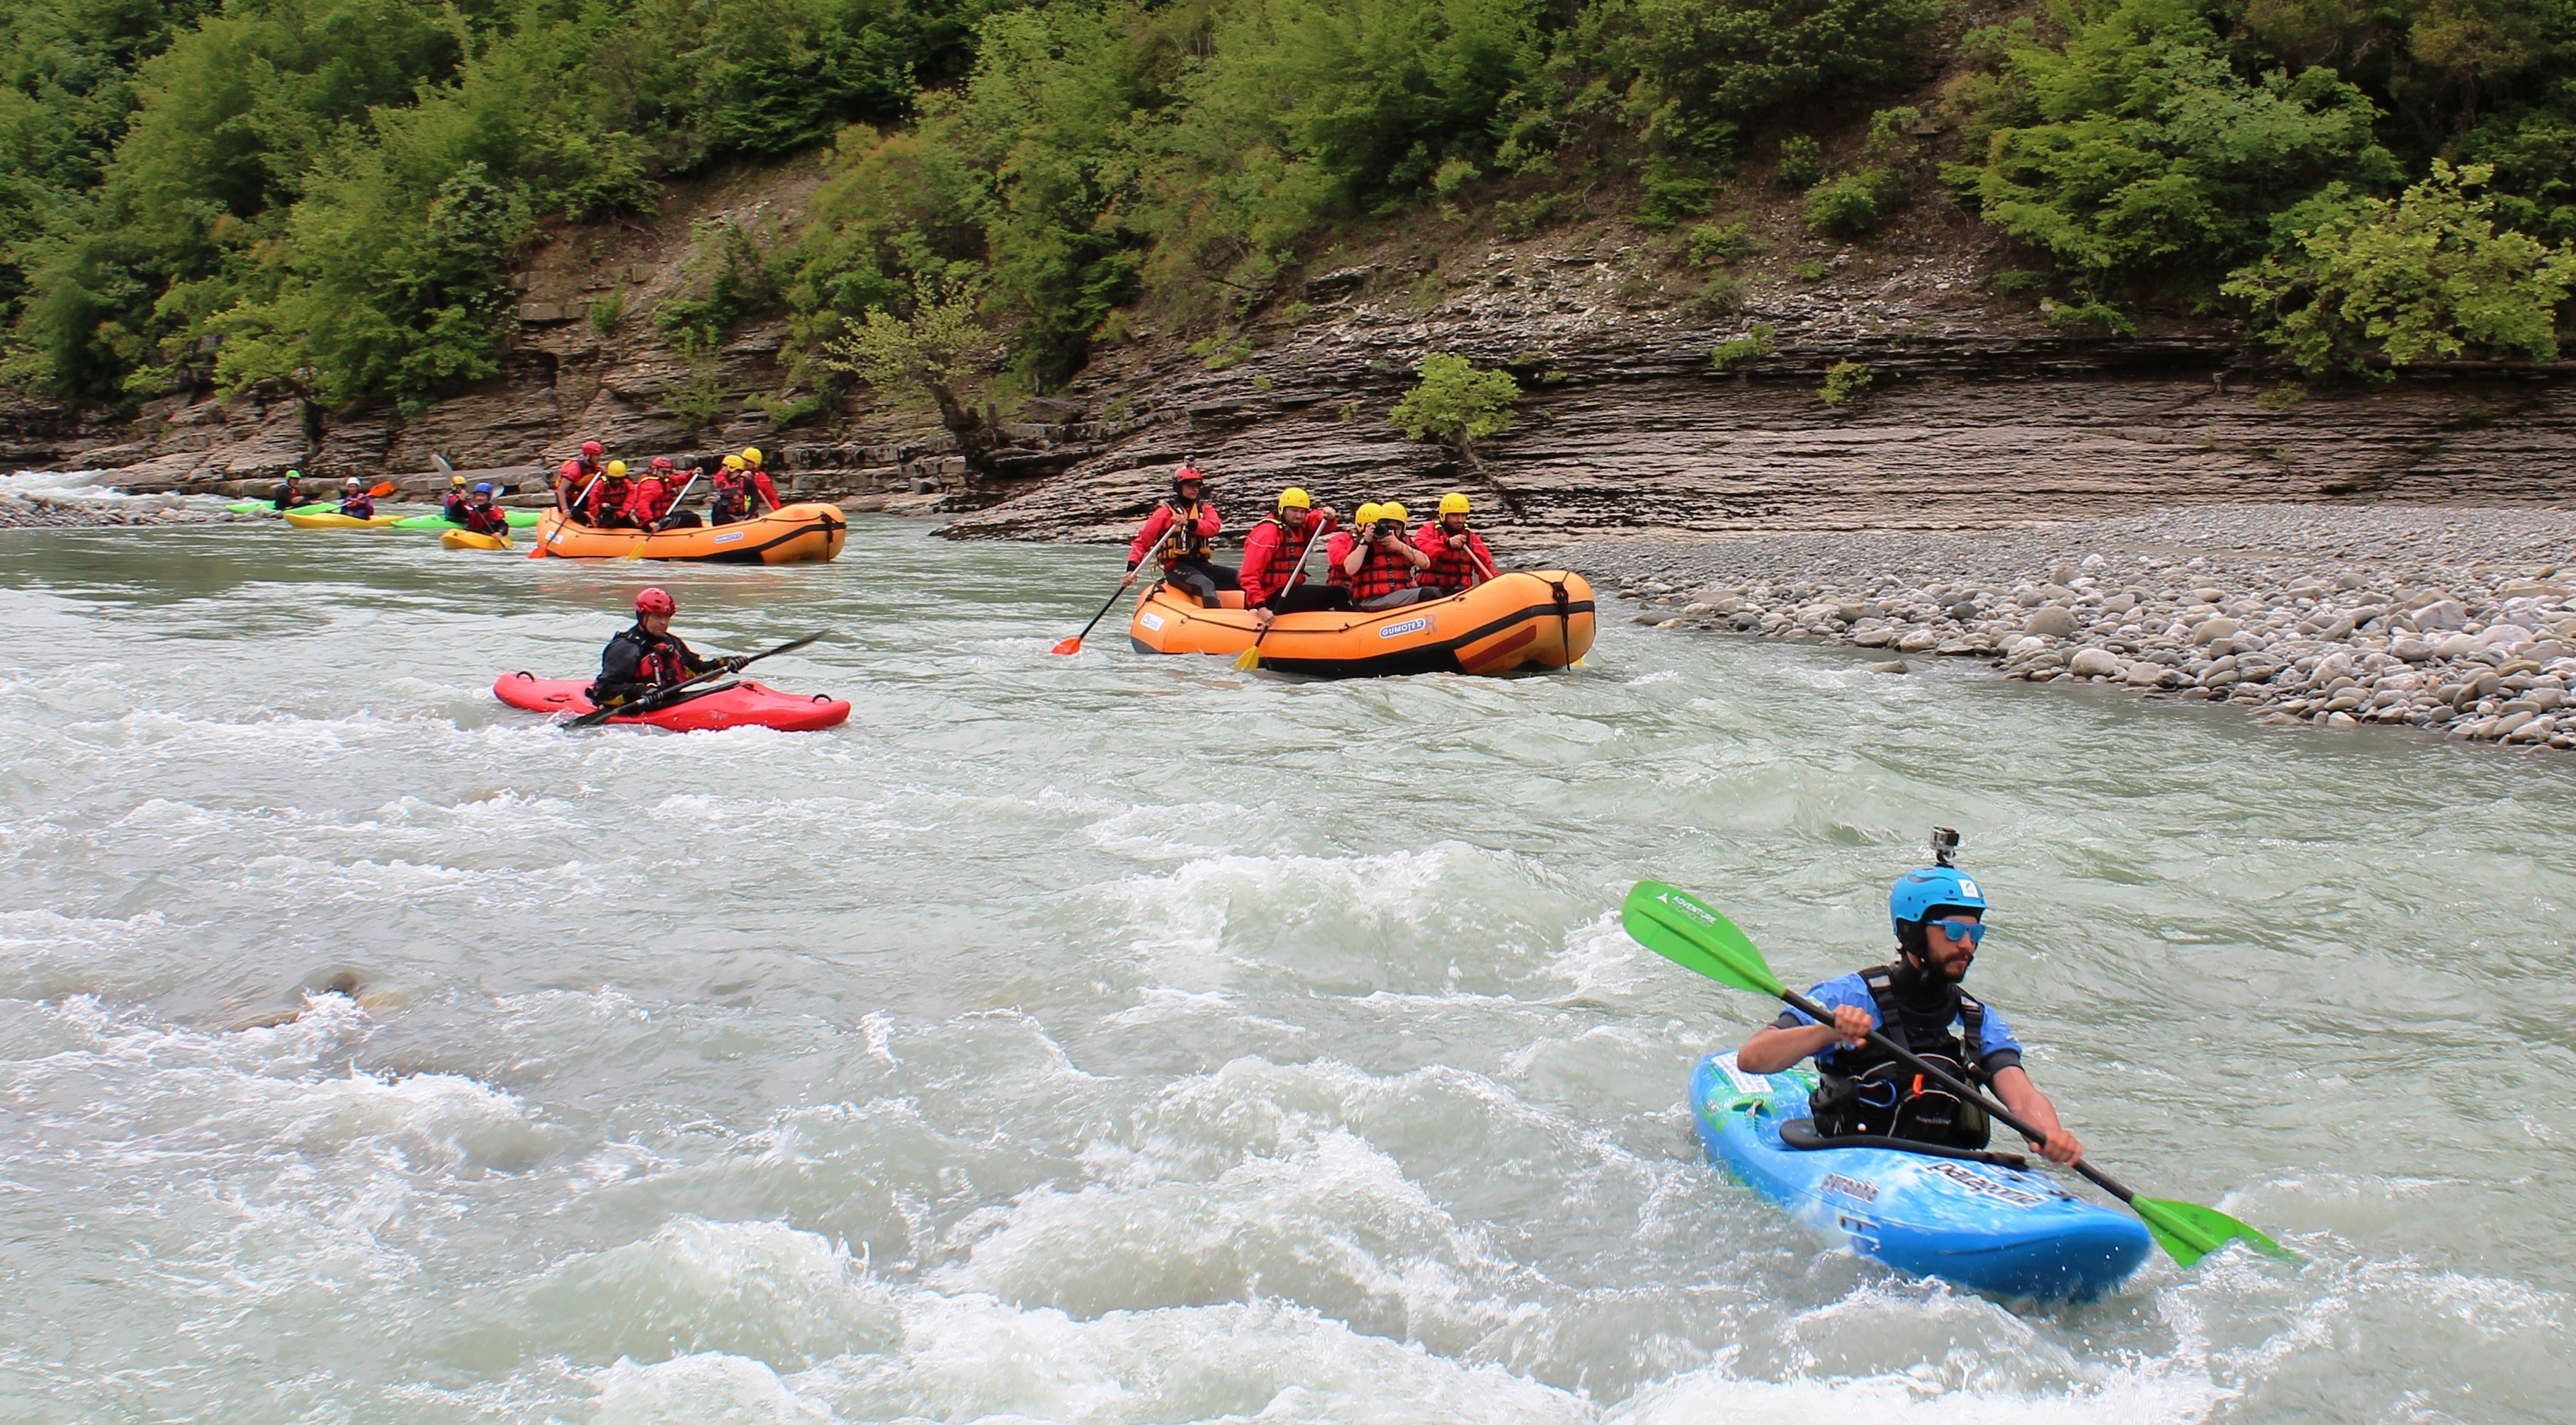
[1972, 1219]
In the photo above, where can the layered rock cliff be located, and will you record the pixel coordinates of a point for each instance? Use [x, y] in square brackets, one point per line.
[1975, 414]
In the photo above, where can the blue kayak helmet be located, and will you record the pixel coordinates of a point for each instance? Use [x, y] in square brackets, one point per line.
[1917, 892]
[483, 489]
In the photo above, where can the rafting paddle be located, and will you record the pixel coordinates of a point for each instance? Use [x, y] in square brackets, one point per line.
[1689, 932]
[655, 701]
[1074, 644]
[1250, 658]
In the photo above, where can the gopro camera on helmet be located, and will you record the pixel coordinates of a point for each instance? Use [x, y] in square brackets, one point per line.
[1945, 846]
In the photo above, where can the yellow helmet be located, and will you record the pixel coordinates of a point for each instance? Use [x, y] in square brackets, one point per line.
[1295, 498]
[733, 462]
[617, 470]
[1453, 503]
[1393, 511]
[751, 455]
[458, 480]
[1365, 514]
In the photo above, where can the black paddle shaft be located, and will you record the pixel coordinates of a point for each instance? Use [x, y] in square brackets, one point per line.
[1104, 613]
[654, 702]
[1945, 1079]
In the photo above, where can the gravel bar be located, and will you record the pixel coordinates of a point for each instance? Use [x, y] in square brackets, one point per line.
[2450, 619]
[39, 512]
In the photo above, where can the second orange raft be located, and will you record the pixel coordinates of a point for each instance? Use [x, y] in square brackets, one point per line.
[796, 534]
[1536, 619]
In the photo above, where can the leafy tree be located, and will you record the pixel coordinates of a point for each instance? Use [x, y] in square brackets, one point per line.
[934, 349]
[2154, 160]
[2426, 277]
[1457, 405]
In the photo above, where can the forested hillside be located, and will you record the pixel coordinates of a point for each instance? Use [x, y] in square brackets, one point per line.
[330, 194]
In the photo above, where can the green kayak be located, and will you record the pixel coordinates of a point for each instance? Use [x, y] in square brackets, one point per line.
[269, 507]
[519, 519]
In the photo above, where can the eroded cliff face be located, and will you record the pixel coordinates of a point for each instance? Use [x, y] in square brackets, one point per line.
[1976, 413]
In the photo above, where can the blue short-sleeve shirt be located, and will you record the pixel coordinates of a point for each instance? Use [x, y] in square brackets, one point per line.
[1999, 1051]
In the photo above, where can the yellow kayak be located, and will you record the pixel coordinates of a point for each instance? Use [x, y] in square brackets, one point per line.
[333, 519]
[468, 539]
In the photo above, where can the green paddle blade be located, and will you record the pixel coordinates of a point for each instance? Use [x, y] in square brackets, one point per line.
[2188, 1231]
[1689, 932]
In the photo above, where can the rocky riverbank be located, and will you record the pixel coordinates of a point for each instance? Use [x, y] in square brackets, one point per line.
[23, 511]
[2459, 621]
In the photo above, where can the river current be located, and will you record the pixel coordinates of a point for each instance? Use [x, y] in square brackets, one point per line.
[1130, 1039]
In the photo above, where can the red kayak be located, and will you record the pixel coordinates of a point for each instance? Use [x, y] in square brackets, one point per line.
[730, 705]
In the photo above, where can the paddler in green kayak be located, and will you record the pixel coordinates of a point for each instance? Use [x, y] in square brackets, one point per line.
[290, 492]
[646, 658]
[1939, 915]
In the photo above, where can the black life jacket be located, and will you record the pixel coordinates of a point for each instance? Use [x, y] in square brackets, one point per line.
[1869, 1090]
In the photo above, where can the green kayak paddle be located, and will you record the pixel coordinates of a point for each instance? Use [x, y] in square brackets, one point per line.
[1692, 934]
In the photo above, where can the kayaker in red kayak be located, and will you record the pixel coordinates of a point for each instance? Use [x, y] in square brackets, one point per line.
[1939, 915]
[647, 657]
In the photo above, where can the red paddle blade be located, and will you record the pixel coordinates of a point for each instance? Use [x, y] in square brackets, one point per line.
[382, 490]
[1070, 645]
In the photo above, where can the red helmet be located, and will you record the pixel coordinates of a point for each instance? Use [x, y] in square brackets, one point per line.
[662, 462]
[654, 601]
[593, 449]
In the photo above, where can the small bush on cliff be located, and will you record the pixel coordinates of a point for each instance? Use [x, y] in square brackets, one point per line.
[932, 350]
[1802, 163]
[1844, 382]
[1735, 351]
[2426, 277]
[1456, 404]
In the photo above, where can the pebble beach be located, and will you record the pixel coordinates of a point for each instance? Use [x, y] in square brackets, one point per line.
[2456, 621]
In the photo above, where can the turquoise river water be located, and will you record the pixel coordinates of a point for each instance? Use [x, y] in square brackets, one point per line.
[1126, 1039]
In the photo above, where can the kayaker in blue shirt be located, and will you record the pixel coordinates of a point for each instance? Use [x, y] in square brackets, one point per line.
[1939, 916]
[354, 500]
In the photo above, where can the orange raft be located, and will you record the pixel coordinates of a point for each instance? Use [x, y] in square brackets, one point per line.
[796, 534]
[1540, 619]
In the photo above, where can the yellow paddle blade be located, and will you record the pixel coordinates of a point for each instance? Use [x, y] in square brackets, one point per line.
[1248, 659]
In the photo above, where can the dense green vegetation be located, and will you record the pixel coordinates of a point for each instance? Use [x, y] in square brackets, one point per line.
[329, 194]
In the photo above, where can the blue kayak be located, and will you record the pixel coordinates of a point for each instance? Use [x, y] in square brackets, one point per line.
[1974, 1219]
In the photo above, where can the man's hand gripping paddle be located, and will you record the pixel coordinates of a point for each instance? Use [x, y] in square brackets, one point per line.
[655, 702]
[1689, 932]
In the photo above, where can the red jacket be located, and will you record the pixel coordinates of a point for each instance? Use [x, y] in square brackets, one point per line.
[576, 474]
[1201, 531]
[1451, 569]
[1272, 552]
[606, 497]
[486, 519]
[1337, 549]
[649, 500]
[760, 482]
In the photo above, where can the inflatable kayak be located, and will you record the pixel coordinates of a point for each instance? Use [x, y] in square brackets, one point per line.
[333, 519]
[797, 534]
[1515, 620]
[1978, 1219]
[723, 705]
[468, 539]
[519, 519]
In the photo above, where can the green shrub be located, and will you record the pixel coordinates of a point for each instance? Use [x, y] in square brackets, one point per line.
[2426, 277]
[1844, 382]
[1518, 220]
[607, 310]
[1721, 295]
[1802, 163]
[1709, 245]
[1696, 71]
[1846, 206]
[1812, 269]
[1755, 343]
[1455, 404]
[1221, 351]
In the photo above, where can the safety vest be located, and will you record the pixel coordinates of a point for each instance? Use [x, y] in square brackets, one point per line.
[1871, 1091]
[733, 495]
[457, 505]
[1381, 574]
[1182, 539]
[608, 497]
[1285, 556]
[1451, 569]
[658, 662]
